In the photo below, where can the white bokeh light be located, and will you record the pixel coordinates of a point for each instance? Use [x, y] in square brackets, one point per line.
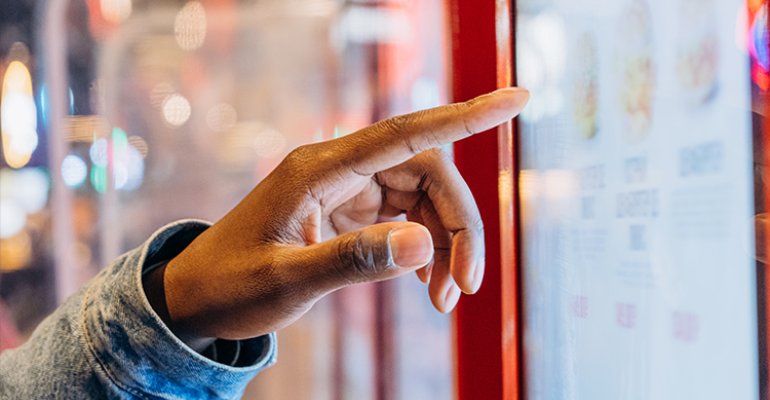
[31, 189]
[190, 26]
[98, 153]
[134, 170]
[24, 143]
[19, 119]
[73, 170]
[176, 110]
[119, 175]
[12, 218]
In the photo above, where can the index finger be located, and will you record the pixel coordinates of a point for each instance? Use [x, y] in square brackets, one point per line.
[391, 142]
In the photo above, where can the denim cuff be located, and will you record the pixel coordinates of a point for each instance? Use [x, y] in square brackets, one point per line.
[137, 351]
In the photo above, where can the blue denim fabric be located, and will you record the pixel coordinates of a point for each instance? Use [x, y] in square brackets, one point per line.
[106, 341]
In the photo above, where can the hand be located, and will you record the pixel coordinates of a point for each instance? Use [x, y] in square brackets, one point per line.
[309, 227]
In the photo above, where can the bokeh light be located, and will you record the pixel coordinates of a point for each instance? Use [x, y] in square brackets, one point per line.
[221, 117]
[31, 189]
[176, 110]
[18, 116]
[73, 170]
[43, 103]
[133, 168]
[22, 192]
[758, 48]
[759, 35]
[98, 153]
[115, 10]
[190, 26]
[127, 161]
[99, 178]
[119, 175]
[12, 218]
[15, 252]
[270, 143]
[119, 142]
[140, 145]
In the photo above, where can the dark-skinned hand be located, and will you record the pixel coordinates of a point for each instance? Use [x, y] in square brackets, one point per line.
[309, 227]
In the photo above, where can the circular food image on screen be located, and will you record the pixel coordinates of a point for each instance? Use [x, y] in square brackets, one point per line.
[697, 51]
[636, 71]
[585, 95]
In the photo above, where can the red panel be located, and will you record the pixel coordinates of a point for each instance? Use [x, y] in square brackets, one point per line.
[478, 321]
[507, 184]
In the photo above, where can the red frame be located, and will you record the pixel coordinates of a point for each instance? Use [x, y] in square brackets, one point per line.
[487, 323]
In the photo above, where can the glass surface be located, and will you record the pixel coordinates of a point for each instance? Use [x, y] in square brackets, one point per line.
[637, 199]
[177, 109]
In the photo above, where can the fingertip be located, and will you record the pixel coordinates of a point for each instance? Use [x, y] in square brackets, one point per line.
[423, 274]
[445, 299]
[512, 90]
[411, 245]
[492, 109]
[450, 299]
[478, 274]
[514, 98]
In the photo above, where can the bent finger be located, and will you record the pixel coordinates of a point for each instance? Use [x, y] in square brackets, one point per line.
[433, 173]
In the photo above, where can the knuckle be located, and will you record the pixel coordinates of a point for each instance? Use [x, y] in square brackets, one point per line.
[461, 110]
[399, 123]
[437, 156]
[303, 163]
[300, 155]
[359, 260]
[402, 126]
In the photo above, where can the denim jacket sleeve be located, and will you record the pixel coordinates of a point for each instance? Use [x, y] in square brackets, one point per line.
[106, 341]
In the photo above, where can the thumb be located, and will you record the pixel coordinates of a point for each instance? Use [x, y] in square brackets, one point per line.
[375, 253]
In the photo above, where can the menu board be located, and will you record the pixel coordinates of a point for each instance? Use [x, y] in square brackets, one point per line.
[636, 193]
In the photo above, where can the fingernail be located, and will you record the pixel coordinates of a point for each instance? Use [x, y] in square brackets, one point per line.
[411, 246]
[519, 96]
[507, 99]
[451, 298]
[511, 90]
[478, 275]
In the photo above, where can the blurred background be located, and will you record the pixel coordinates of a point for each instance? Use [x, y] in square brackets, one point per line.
[120, 116]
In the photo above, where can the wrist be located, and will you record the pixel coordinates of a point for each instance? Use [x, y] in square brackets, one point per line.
[154, 288]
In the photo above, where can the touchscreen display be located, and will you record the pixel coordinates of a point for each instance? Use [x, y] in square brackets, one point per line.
[637, 200]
